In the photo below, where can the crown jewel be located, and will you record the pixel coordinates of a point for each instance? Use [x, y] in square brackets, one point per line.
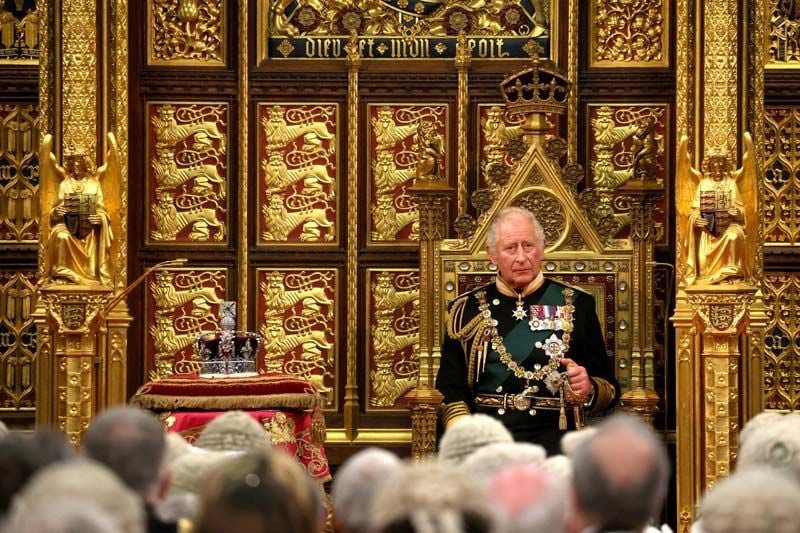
[540, 88]
[227, 352]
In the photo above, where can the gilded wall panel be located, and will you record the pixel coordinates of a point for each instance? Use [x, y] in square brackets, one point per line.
[17, 340]
[298, 173]
[403, 29]
[629, 33]
[393, 337]
[186, 33]
[783, 34]
[19, 32]
[500, 143]
[395, 150]
[626, 142]
[180, 304]
[187, 185]
[782, 341]
[782, 176]
[296, 316]
[19, 173]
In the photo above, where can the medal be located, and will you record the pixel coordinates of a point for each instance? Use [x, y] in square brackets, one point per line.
[519, 312]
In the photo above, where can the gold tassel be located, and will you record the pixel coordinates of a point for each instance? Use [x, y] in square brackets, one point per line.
[562, 415]
[577, 412]
[318, 424]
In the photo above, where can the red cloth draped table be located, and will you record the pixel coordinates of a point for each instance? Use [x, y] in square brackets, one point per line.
[282, 404]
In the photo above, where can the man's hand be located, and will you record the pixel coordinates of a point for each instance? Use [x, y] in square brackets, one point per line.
[579, 380]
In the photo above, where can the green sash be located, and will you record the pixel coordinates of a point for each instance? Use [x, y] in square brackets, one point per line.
[520, 344]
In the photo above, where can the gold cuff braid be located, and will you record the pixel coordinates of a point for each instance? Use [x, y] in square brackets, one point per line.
[604, 393]
[451, 411]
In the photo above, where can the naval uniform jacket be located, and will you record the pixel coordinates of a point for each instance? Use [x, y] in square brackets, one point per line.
[463, 374]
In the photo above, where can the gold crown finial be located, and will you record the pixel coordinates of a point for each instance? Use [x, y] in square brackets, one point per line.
[540, 88]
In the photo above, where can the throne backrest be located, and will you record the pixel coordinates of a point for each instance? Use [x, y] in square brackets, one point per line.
[575, 253]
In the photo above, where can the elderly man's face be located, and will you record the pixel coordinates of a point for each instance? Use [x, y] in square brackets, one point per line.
[517, 255]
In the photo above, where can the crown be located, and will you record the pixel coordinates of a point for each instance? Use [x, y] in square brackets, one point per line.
[227, 352]
[540, 88]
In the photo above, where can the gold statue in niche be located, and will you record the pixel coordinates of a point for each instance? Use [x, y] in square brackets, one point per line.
[79, 228]
[717, 216]
[430, 150]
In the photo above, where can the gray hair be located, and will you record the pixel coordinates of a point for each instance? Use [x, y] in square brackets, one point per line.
[64, 514]
[430, 497]
[85, 481]
[356, 483]
[513, 212]
[752, 501]
[234, 431]
[131, 442]
[773, 442]
[620, 494]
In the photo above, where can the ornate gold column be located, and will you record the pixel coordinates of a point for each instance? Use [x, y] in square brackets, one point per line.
[351, 387]
[641, 399]
[719, 314]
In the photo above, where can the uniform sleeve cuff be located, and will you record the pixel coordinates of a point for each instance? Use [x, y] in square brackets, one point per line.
[604, 394]
[452, 411]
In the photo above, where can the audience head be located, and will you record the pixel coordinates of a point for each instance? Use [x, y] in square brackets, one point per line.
[529, 499]
[82, 481]
[757, 500]
[3, 430]
[469, 433]
[572, 439]
[131, 443]
[176, 446]
[234, 431]
[260, 492]
[560, 466]
[430, 497]
[21, 456]
[488, 460]
[65, 514]
[620, 475]
[773, 441]
[356, 483]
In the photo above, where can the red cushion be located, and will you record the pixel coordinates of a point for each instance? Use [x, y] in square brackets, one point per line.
[267, 391]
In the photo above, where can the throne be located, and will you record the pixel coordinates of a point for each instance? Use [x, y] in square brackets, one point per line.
[576, 252]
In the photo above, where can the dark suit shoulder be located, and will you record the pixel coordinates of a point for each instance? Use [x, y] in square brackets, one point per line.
[465, 297]
[579, 291]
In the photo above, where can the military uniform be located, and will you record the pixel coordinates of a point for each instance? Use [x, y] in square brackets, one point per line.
[500, 354]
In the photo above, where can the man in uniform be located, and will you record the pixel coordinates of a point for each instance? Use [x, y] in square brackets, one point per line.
[525, 349]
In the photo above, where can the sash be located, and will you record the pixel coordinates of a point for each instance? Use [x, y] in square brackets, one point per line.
[520, 344]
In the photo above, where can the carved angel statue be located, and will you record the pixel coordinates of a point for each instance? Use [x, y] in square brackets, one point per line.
[83, 210]
[717, 212]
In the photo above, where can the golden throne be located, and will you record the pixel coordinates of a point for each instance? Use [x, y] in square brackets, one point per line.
[576, 252]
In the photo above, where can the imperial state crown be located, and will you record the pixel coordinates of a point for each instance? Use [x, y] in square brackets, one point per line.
[227, 352]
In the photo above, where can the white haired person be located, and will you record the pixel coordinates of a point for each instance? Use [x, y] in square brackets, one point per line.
[525, 349]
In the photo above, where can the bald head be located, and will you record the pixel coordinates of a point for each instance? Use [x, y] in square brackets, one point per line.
[620, 475]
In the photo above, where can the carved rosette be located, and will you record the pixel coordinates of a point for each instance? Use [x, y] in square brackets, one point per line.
[19, 221]
[548, 210]
[393, 337]
[628, 142]
[296, 316]
[298, 173]
[629, 33]
[188, 173]
[781, 348]
[19, 32]
[17, 340]
[181, 304]
[393, 148]
[186, 33]
[781, 206]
